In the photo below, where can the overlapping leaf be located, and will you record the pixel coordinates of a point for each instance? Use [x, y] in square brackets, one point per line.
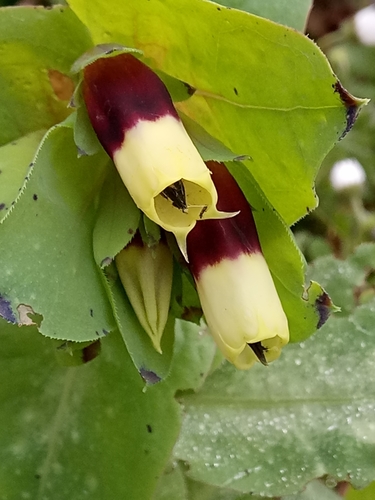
[175, 485]
[262, 89]
[291, 13]
[117, 221]
[47, 261]
[366, 494]
[15, 159]
[309, 415]
[37, 48]
[92, 424]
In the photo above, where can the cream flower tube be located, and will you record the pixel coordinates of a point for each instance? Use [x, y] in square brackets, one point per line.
[146, 275]
[134, 118]
[239, 299]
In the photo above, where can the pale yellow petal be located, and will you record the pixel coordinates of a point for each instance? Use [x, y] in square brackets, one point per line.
[156, 155]
[241, 306]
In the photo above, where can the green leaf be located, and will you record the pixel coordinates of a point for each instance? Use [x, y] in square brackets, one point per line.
[93, 424]
[261, 89]
[99, 51]
[366, 494]
[179, 91]
[15, 159]
[174, 485]
[201, 491]
[313, 491]
[150, 231]
[195, 350]
[77, 353]
[270, 431]
[209, 148]
[47, 261]
[117, 221]
[84, 135]
[291, 13]
[171, 485]
[37, 48]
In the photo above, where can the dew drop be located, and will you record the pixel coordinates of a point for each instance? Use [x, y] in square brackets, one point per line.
[331, 482]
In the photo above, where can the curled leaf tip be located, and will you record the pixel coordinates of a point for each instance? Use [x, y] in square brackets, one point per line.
[324, 307]
[149, 376]
[353, 106]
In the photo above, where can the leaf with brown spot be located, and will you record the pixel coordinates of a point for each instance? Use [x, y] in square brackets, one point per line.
[63, 86]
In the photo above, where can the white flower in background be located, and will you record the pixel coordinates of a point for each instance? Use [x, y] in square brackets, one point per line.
[364, 23]
[347, 173]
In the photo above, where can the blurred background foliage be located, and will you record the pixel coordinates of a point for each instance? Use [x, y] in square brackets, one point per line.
[345, 218]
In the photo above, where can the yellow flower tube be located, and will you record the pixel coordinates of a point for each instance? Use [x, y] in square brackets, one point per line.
[239, 299]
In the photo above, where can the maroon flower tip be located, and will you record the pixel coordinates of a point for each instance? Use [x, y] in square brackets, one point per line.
[118, 92]
[213, 240]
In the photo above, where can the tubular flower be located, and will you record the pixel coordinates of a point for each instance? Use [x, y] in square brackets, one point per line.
[134, 118]
[235, 286]
[146, 275]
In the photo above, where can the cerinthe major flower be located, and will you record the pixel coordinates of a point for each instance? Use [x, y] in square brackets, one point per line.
[134, 118]
[146, 275]
[235, 287]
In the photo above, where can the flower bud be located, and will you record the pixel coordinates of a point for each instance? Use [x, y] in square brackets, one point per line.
[134, 118]
[235, 287]
[146, 275]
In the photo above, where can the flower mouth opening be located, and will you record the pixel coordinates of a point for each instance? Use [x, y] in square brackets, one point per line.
[264, 352]
[259, 351]
[182, 203]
